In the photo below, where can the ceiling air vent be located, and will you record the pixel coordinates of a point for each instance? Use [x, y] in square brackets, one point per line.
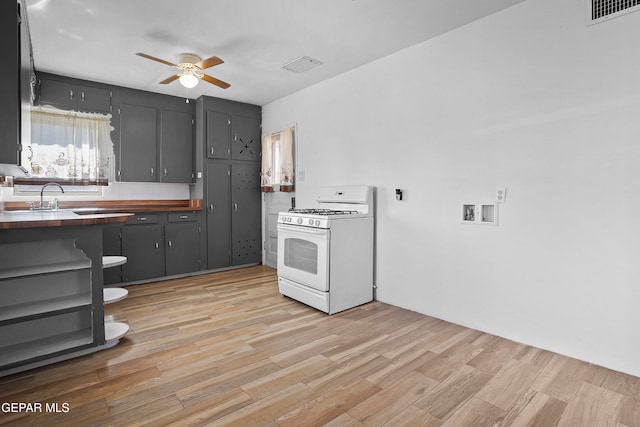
[602, 10]
[302, 64]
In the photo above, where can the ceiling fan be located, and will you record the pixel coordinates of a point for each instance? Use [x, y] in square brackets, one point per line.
[190, 66]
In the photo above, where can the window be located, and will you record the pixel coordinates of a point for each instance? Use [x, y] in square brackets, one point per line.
[277, 161]
[67, 145]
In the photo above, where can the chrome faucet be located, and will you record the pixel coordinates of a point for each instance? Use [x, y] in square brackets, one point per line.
[55, 207]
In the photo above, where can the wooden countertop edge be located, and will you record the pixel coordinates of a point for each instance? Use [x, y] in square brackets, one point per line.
[117, 206]
[98, 219]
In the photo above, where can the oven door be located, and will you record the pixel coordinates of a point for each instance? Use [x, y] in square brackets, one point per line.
[303, 255]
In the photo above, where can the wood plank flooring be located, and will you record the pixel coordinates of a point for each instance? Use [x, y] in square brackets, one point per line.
[227, 349]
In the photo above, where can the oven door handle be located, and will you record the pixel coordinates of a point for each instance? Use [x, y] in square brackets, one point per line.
[299, 229]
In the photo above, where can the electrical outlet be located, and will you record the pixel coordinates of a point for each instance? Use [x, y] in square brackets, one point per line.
[501, 194]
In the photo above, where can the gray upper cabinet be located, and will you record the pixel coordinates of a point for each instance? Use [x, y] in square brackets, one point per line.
[245, 138]
[138, 142]
[232, 136]
[176, 153]
[218, 128]
[155, 145]
[68, 95]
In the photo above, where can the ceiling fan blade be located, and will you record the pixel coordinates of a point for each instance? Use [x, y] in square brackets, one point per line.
[153, 58]
[209, 62]
[215, 81]
[170, 79]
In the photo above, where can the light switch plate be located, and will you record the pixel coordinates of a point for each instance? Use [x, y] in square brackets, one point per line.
[501, 194]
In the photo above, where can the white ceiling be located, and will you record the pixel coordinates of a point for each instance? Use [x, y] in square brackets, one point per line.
[97, 40]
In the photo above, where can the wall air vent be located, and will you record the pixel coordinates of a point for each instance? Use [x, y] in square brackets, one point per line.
[602, 10]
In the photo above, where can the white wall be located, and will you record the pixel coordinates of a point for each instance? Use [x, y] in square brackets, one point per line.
[530, 99]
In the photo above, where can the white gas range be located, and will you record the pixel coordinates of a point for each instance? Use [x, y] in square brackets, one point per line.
[325, 253]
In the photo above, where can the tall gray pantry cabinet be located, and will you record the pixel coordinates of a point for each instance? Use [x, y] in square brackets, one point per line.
[15, 79]
[231, 148]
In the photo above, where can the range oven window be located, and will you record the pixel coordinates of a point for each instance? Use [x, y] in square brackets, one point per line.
[301, 255]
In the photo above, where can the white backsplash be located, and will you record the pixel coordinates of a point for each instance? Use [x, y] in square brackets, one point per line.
[114, 191]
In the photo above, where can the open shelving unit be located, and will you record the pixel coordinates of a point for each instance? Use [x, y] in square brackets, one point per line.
[113, 331]
[45, 309]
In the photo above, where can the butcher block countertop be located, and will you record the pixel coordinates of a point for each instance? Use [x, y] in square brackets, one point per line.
[15, 214]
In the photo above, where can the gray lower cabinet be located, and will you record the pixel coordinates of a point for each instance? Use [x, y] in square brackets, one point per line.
[156, 245]
[182, 237]
[142, 244]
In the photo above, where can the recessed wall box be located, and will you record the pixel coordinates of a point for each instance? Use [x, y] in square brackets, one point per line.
[489, 213]
[469, 213]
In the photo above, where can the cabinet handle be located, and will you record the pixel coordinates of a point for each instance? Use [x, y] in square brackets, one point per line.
[184, 216]
[71, 94]
[152, 171]
[142, 218]
[212, 151]
[170, 244]
[82, 96]
[165, 172]
[157, 246]
[211, 207]
[235, 207]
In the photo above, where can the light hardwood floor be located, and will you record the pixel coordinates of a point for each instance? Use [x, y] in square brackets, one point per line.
[228, 349]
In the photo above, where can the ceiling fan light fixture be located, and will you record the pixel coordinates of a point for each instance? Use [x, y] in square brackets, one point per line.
[188, 80]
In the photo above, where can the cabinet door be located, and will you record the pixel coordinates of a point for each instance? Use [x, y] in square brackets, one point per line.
[218, 219]
[246, 218]
[142, 245]
[182, 248]
[245, 138]
[217, 135]
[92, 99]
[137, 144]
[176, 147]
[59, 94]
[76, 97]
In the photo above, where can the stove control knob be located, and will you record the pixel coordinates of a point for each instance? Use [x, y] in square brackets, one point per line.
[310, 222]
[299, 220]
[317, 222]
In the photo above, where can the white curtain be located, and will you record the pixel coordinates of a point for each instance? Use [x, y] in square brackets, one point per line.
[277, 161]
[69, 145]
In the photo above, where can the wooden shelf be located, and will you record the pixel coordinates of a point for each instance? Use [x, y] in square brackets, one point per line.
[54, 306]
